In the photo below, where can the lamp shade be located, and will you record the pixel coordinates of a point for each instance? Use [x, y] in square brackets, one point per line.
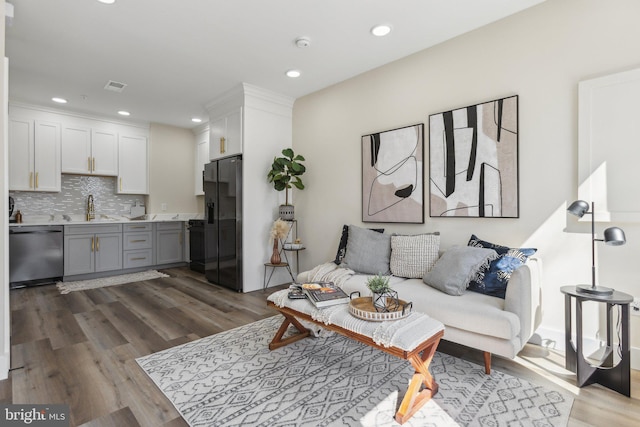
[614, 236]
[578, 208]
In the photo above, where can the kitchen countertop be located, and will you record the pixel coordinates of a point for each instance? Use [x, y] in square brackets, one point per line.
[75, 219]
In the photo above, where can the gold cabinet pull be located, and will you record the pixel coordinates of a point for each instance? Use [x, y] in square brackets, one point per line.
[138, 258]
[92, 245]
[30, 179]
[139, 241]
[93, 165]
[36, 180]
[89, 163]
[222, 147]
[97, 244]
[120, 184]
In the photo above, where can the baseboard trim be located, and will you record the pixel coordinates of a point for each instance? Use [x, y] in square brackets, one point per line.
[554, 340]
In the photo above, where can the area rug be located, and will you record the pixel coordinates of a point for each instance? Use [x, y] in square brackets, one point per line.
[81, 285]
[232, 379]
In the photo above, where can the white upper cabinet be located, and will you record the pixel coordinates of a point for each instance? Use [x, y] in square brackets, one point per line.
[89, 151]
[104, 152]
[133, 176]
[226, 135]
[34, 155]
[202, 158]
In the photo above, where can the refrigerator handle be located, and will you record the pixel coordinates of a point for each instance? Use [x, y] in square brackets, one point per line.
[210, 212]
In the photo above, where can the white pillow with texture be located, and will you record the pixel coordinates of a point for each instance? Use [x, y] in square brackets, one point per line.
[413, 256]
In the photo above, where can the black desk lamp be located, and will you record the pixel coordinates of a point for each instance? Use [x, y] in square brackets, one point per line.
[613, 236]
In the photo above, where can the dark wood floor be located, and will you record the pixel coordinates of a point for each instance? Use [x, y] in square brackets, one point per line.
[80, 349]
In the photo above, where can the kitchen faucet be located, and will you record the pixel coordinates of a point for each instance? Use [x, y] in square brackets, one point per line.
[91, 210]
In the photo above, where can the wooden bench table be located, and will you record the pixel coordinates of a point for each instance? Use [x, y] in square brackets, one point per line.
[422, 386]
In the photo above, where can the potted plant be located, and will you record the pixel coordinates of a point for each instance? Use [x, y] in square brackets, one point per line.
[284, 174]
[384, 298]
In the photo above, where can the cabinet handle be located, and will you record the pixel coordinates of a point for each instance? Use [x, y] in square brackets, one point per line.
[37, 179]
[139, 240]
[89, 163]
[138, 226]
[97, 243]
[92, 245]
[120, 184]
[93, 165]
[138, 258]
[222, 141]
[30, 179]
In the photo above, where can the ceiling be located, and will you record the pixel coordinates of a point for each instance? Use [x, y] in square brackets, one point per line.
[177, 56]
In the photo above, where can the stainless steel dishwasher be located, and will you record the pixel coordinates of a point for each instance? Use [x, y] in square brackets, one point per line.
[36, 255]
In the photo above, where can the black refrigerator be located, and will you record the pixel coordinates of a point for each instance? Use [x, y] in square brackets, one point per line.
[222, 182]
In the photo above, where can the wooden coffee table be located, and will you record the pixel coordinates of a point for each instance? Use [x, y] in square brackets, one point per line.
[422, 386]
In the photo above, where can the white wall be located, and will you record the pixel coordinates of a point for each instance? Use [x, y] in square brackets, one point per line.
[171, 163]
[5, 313]
[540, 54]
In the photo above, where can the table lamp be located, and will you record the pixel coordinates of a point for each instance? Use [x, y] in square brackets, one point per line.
[613, 236]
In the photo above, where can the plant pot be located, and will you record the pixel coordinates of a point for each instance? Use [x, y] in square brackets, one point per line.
[385, 301]
[286, 212]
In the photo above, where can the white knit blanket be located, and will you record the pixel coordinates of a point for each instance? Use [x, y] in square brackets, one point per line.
[330, 272]
[406, 333]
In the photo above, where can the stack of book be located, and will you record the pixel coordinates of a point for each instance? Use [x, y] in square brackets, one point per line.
[324, 294]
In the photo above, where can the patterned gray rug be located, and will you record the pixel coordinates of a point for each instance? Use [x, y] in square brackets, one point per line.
[232, 379]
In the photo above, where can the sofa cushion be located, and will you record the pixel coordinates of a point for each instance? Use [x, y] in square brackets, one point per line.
[457, 267]
[413, 256]
[368, 252]
[493, 280]
[342, 246]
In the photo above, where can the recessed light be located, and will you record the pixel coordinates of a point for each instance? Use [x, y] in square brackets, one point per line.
[59, 100]
[196, 120]
[293, 73]
[124, 113]
[381, 30]
[107, 1]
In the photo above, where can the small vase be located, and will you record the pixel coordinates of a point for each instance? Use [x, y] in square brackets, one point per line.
[275, 256]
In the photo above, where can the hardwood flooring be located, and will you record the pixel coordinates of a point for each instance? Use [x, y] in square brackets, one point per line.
[80, 349]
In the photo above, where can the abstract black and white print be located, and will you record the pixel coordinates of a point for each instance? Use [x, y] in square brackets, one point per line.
[473, 160]
[392, 175]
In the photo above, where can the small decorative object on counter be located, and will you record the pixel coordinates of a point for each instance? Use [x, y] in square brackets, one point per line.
[384, 298]
[19, 217]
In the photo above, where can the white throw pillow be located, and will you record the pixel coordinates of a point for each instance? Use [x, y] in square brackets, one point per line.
[413, 256]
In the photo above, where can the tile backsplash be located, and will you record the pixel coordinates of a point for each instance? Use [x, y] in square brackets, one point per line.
[73, 198]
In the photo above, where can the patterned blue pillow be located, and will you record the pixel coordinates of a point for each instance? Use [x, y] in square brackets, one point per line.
[494, 279]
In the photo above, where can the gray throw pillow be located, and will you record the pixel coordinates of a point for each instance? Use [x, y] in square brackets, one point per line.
[368, 252]
[457, 267]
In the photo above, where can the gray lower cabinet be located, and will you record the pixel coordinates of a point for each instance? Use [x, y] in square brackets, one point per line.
[137, 245]
[92, 248]
[169, 242]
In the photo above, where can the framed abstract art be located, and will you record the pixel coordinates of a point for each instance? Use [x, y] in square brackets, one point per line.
[473, 161]
[392, 175]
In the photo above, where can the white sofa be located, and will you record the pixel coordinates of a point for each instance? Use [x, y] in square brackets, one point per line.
[490, 324]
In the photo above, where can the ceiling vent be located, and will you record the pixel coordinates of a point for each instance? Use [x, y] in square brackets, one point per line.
[115, 86]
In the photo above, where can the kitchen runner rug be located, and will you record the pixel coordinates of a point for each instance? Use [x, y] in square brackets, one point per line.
[81, 285]
[232, 379]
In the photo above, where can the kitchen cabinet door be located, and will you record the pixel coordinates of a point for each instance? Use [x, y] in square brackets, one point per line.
[79, 254]
[202, 158]
[47, 156]
[133, 169]
[226, 135]
[21, 154]
[108, 252]
[169, 243]
[104, 152]
[76, 150]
